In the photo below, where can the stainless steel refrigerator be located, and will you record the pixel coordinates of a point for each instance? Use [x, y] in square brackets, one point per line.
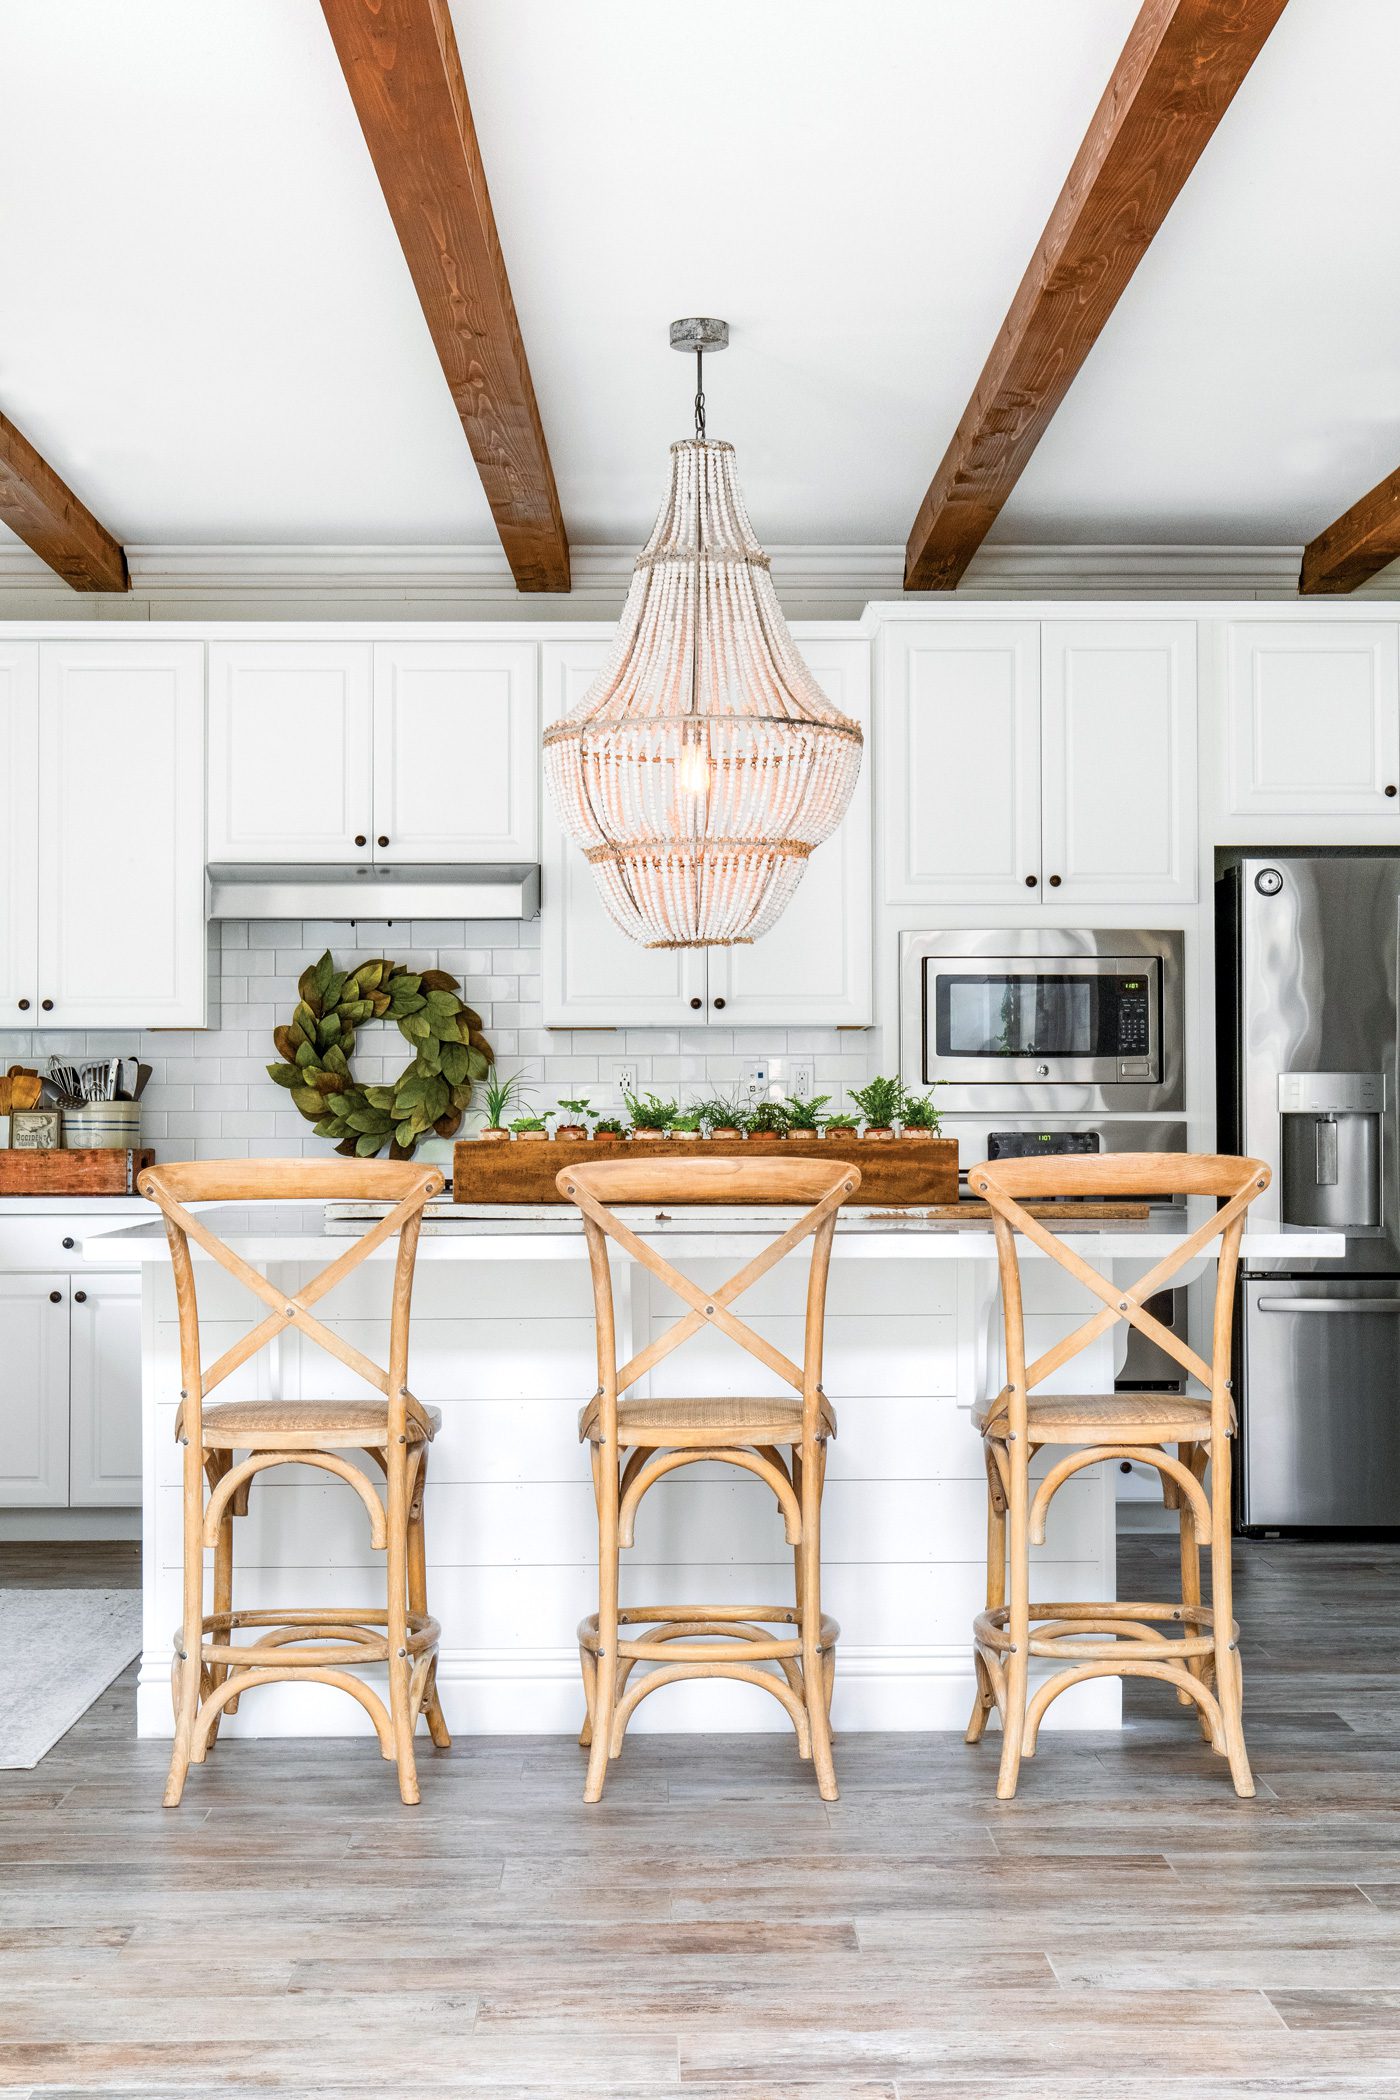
[1307, 952]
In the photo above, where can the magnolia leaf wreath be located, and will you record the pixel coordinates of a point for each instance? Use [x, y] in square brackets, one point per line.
[429, 1095]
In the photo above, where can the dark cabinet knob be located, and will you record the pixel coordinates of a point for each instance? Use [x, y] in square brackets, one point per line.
[1031, 881]
[1054, 882]
[360, 839]
[55, 1297]
[1391, 789]
[719, 1002]
[47, 1005]
[24, 1006]
[697, 1002]
[70, 1243]
[80, 1297]
[381, 840]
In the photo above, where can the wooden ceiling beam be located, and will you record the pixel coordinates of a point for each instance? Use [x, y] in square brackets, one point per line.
[1177, 75]
[402, 67]
[1363, 541]
[41, 508]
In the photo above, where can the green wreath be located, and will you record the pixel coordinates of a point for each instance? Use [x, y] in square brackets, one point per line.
[430, 1095]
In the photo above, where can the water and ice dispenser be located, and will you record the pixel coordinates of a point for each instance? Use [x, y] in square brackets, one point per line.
[1330, 1148]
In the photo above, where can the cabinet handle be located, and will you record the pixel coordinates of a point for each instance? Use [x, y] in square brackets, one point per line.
[1391, 789]
[1054, 882]
[24, 1006]
[381, 840]
[719, 1002]
[80, 1297]
[70, 1243]
[697, 1002]
[55, 1297]
[47, 1005]
[360, 839]
[1031, 881]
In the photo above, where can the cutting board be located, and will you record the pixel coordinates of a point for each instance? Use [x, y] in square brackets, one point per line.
[97, 1173]
[902, 1172]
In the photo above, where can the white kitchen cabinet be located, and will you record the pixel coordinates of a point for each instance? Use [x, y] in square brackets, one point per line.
[812, 970]
[456, 751]
[19, 833]
[960, 761]
[1118, 761]
[122, 939]
[34, 1413]
[104, 1391]
[1312, 718]
[393, 751]
[290, 767]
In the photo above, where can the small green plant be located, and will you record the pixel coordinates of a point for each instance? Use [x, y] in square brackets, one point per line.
[608, 1126]
[917, 1112]
[724, 1112]
[879, 1102]
[688, 1119]
[526, 1126]
[578, 1110]
[650, 1112]
[502, 1092]
[769, 1119]
[806, 1114]
[842, 1122]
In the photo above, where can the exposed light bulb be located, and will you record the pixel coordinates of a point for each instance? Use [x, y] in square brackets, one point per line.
[693, 768]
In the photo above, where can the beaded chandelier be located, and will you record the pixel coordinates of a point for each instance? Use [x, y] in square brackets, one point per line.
[704, 763]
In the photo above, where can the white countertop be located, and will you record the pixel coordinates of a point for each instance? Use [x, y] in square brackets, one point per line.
[302, 1233]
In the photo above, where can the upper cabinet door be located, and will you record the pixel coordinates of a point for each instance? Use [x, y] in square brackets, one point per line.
[1313, 719]
[19, 834]
[813, 969]
[122, 940]
[1118, 739]
[593, 976]
[289, 751]
[959, 745]
[456, 751]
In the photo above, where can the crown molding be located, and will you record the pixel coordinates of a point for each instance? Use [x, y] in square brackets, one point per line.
[474, 583]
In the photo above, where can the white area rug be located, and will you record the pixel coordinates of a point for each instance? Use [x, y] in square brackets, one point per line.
[59, 1650]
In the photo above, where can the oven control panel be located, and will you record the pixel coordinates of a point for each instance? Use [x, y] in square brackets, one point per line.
[1030, 1144]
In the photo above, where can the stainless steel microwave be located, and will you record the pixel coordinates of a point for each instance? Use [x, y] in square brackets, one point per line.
[1043, 1019]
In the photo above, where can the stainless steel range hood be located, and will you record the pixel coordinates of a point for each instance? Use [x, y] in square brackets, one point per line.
[460, 890]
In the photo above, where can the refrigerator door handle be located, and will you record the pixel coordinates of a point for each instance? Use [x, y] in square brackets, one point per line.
[1328, 1305]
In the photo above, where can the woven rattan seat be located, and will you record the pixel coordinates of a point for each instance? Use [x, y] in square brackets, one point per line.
[358, 1425]
[679, 1423]
[1098, 1418]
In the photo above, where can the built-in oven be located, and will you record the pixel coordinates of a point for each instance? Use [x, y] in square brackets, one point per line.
[1043, 1019]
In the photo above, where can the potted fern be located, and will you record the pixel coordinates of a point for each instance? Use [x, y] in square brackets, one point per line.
[725, 1116]
[805, 1116]
[841, 1125]
[651, 1116]
[502, 1092]
[686, 1124]
[607, 1130]
[529, 1127]
[918, 1117]
[768, 1119]
[575, 1124]
[880, 1102]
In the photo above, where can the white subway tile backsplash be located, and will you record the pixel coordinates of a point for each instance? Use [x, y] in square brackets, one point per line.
[210, 1096]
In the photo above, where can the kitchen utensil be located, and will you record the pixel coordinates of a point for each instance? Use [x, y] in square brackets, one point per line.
[143, 1073]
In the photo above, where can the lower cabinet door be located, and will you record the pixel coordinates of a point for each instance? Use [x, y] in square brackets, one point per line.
[34, 1410]
[105, 1391]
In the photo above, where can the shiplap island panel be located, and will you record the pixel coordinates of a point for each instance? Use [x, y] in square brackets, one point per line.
[503, 1343]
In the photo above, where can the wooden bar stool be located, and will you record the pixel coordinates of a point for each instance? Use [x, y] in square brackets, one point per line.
[325, 1644]
[1111, 1639]
[635, 1443]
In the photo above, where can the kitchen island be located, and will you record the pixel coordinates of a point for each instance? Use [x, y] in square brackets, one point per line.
[503, 1344]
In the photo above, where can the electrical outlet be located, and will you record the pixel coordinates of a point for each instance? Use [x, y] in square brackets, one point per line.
[626, 1077]
[756, 1081]
[802, 1081]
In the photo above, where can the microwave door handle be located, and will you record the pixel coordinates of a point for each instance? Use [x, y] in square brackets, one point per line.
[1329, 1305]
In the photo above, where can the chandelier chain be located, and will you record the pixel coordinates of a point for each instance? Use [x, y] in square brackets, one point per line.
[700, 393]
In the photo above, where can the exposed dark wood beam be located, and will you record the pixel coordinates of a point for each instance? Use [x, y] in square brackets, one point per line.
[48, 517]
[402, 67]
[1176, 77]
[1364, 540]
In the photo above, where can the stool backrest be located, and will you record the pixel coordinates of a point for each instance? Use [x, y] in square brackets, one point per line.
[1232, 1181]
[405, 1187]
[597, 1187]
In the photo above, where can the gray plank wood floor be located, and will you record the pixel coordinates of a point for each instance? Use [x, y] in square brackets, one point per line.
[1125, 1928]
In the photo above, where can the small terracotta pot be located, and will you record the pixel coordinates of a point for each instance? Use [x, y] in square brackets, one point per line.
[726, 1130]
[526, 1137]
[648, 1137]
[570, 1130]
[493, 1134]
[879, 1130]
[605, 1137]
[691, 1134]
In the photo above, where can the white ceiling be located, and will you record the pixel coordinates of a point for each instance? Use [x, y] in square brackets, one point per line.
[208, 328]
